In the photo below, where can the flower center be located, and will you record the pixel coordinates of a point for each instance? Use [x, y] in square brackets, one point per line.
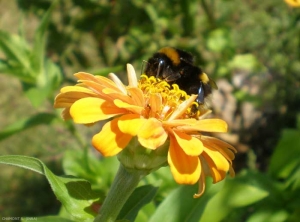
[162, 99]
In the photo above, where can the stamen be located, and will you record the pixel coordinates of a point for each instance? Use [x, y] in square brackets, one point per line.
[175, 103]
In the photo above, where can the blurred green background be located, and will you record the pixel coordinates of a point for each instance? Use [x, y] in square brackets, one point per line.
[250, 48]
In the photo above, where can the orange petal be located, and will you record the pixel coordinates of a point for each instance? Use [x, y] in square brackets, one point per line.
[224, 148]
[66, 99]
[190, 145]
[201, 186]
[206, 125]
[137, 96]
[105, 92]
[220, 143]
[185, 169]
[66, 114]
[110, 141]
[90, 110]
[152, 135]
[131, 124]
[76, 89]
[127, 106]
[100, 80]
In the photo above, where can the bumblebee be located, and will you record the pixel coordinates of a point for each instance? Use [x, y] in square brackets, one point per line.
[177, 66]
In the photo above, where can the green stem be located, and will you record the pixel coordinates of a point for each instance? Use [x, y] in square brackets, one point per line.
[123, 185]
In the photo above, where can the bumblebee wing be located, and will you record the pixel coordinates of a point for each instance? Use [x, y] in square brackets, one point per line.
[213, 84]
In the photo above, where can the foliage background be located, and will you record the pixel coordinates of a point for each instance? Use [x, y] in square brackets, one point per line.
[251, 49]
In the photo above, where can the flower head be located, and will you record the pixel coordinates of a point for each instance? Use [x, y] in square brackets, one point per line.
[150, 118]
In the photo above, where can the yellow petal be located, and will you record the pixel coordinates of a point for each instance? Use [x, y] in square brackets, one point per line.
[185, 169]
[293, 3]
[131, 124]
[152, 135]
[110, 141]
[190, 145]
[180, 122]
[90, 110]
[217, 164]
[206, 125]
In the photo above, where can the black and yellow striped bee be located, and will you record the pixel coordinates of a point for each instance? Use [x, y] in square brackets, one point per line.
[177, 66]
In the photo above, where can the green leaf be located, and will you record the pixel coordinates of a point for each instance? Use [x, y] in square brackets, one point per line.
[75, 194]
[244, 190]
[181, 206]
[244, 62]
[286, 156]
[219, 40]
[14, 69]
[38, 119]
[140, 197]
[36, 94]
[85, 165]
[146, 212]
[266, 214]
[38, 52]
[15, 49]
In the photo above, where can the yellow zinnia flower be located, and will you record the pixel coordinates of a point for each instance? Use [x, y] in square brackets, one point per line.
[154, 115]
[293, 3]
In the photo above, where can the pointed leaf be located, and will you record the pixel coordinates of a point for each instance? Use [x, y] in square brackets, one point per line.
[75, 194]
